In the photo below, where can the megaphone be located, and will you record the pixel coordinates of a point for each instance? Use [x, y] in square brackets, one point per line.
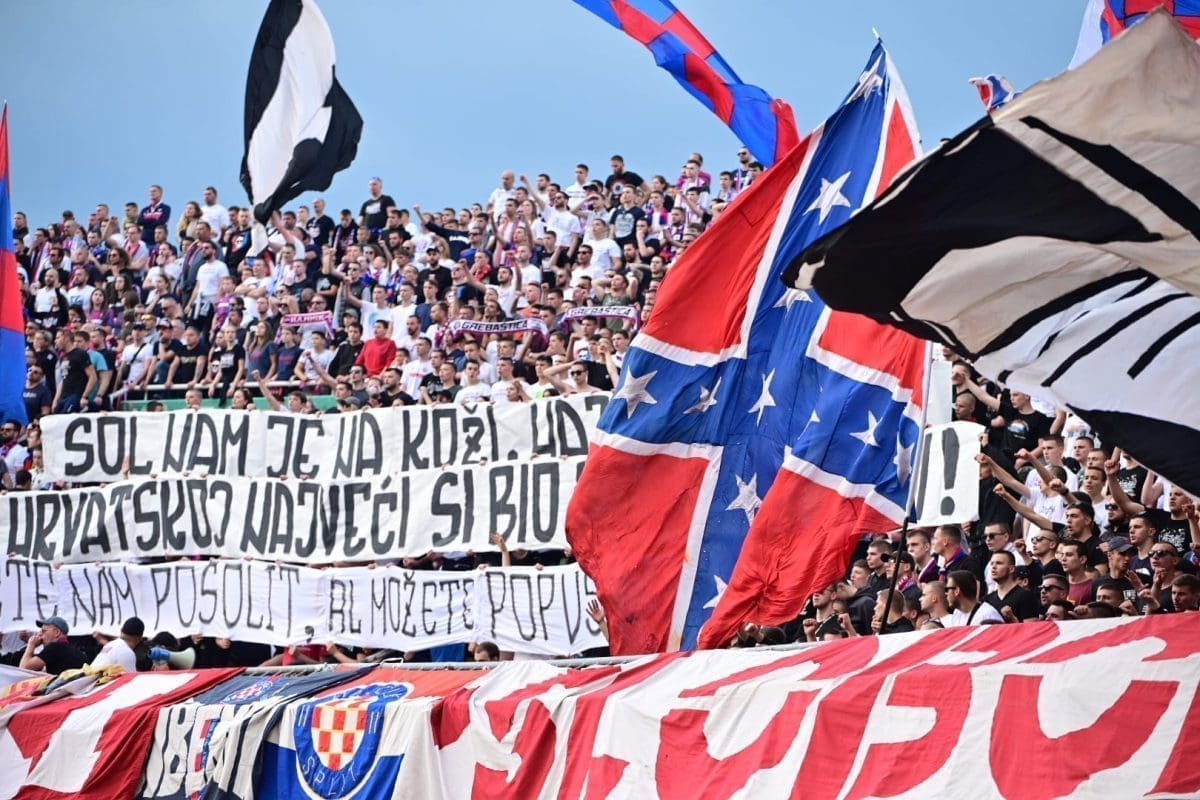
[184, 659]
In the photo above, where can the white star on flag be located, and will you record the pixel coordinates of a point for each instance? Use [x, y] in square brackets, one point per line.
[868, 82]
[791, 297]
[747, 499]
[903, 460]
[634, 393]
[867, 437]
[764, 398]
[716, 598]
[830, 197]
[708, 399]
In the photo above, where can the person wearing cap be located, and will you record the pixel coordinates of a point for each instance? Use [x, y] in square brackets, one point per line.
[56, 654]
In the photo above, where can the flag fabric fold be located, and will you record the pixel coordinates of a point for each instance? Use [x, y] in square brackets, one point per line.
[300, 126]
[1055, 244]
[994, 91]
[735, 378]
[764, 124]
[12, 315]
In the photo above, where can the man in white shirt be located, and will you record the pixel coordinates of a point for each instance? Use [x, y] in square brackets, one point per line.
[604, 248]
[409, 335]
[473, 390]
[212, 212]
[405, 308]
[419, 365]
[376, 308]
[115, 652]
[566, 227]
[962, 593]
[576, 191]
[208, 281]
[473, 352]
[505, 191]
[504, 382]
[137, 355]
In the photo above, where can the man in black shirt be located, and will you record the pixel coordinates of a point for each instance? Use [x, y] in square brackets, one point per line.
[319, 226]
[347, 352]
[57, 654]
[621, 178]
[188, 365]
[896, 621]
[373, 214]
[391, 389]
[1014, 602]
[78, 376]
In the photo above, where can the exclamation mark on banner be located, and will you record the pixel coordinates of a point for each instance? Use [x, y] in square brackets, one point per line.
[923, 468]
[949, 467]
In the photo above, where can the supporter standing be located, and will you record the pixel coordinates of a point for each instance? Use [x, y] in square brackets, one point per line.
[155, 214]
[378, 352]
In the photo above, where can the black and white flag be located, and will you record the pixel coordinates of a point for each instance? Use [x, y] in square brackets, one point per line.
[301, 127]
[1056, 243]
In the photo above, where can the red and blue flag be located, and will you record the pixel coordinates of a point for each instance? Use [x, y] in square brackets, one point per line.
[755, 434]
[764, 124]
[1104, 19]
[994, 91]
[12, 315]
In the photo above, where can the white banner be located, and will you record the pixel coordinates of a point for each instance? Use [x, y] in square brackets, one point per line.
[310, 522]
[92, 448]
[537, 611]
[520, 608]
[939, 407]
[948, 485]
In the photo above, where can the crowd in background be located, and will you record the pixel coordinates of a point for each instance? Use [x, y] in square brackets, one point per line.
[164, 307]
[377, 307]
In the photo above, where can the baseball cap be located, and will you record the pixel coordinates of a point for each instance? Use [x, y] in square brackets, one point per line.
[1119, 544]
[57, 622]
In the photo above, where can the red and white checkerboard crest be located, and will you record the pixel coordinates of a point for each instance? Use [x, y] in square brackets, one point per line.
[337, 736]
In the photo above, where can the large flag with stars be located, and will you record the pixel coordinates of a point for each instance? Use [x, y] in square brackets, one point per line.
[755, 434]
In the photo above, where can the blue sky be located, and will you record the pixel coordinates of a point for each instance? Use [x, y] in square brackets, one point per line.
[107, 98]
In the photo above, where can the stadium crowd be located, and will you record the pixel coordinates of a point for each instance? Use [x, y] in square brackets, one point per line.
[161, 309]
[398, 305]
